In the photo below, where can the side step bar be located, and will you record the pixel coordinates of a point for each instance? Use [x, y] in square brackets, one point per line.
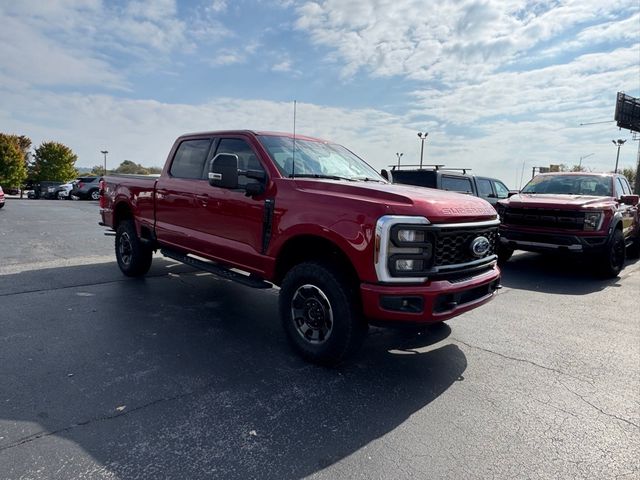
[249, 281]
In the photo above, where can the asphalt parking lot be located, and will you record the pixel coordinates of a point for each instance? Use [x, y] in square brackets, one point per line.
[184, 375]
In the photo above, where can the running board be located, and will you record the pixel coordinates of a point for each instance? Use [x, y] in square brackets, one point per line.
[249, 281]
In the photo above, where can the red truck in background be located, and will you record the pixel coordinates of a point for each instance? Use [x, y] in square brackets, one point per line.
[592, 215]
[345, 247]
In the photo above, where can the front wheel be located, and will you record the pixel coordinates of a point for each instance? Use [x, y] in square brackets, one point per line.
[134, 257]
[95, 195]
[612, 260]
[319, 313]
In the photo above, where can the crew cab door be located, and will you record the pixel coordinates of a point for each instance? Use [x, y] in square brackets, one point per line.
[176, 209]
[231, 224]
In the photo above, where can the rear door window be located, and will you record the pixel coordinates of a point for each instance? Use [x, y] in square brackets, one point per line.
[190, 157]
[484, 187]
[457, 184]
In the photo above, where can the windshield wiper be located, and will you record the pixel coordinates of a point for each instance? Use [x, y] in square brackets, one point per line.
[320, 175]
[368, 179]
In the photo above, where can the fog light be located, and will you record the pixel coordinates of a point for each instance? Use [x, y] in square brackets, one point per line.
[406, 265]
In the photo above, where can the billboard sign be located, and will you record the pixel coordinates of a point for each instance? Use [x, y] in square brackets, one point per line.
[628, 112]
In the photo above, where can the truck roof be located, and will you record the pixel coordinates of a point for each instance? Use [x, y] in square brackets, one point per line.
[594, 174]
[256, 133]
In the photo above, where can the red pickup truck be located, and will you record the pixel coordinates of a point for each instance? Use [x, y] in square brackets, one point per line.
[592, 215]
[345, 247]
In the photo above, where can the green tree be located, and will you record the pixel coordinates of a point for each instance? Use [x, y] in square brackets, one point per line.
[130, 167]
[13, 165]
[97, 170]
[630, 174]
[54, 161]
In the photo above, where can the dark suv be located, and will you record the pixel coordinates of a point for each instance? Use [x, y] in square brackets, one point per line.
[593, 215]
[453, 179]
[87, 188]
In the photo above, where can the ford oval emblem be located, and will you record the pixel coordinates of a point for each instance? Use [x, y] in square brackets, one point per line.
[480, 246]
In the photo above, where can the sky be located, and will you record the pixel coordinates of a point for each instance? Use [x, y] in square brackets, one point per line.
[500, 86]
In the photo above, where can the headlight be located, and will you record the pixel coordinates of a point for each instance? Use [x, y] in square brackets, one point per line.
[404, 248]
[410, 236]
[592, 220]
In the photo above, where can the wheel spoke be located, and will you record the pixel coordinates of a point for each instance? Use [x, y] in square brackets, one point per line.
[312, 314]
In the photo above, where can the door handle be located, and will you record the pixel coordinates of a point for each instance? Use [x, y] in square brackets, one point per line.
[203, 199]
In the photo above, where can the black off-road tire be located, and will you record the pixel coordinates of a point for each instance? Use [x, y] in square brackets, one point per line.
[321, 313]
[134, 257]
[504, 254]
[611, 261]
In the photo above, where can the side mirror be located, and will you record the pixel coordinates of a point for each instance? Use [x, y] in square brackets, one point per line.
[512, 193]
[386, 174]
[223, 171]
[630, 200]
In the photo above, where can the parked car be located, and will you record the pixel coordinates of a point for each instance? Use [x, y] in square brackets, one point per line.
[591, 215]
[87, 188]
[1, 198]
[346, 247]
[42, 190]
[63, 192]
[452, 179]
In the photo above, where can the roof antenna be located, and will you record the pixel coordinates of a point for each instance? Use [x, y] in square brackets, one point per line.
[293, 154]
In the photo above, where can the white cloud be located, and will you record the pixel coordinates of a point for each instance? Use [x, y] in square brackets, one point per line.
[284, 66]
[445, 41]
[219, 5]
[143, 131]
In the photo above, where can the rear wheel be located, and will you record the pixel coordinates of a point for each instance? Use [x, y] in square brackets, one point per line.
[322, 321]
[612, 260]
[134, 257]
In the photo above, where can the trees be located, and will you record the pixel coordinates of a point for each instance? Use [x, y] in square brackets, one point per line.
[130, 167]
[54, 161]
[630, 173]
[98, 170]
[13, 164]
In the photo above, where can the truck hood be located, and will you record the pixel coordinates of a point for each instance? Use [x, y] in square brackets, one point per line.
[565, 202]
[439, 206]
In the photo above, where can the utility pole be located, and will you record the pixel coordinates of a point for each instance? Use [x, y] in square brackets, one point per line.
[399, 155]
[422, 137]
[104, 152]
[619, 143]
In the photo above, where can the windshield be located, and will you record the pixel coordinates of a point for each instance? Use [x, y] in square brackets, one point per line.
[317, 158]
[570, 185]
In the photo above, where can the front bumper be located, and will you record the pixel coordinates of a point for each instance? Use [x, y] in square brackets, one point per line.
[552, 242]
[430, 302]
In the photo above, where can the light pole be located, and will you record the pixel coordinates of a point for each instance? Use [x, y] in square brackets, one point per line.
[104, 152]
[399, 155]
[619, 143]
[583, 157]
[422, 137]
